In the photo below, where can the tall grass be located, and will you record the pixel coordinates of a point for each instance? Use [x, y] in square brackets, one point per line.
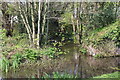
[4, 64]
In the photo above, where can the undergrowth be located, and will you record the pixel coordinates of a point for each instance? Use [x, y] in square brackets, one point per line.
[16, 51]
[111, 75]
[110, 32]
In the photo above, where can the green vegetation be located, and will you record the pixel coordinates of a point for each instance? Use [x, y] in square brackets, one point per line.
[16, 52]
[110, 32]
[83, 51]
[16, 60]
[111, 75]
[52, 52]
[105, 40]
[28, 55]
[4, 64]
[30, 31]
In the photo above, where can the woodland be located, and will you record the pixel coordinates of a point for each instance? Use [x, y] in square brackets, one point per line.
[59, 39]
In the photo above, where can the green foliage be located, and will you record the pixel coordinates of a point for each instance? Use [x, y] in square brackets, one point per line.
[30, 54]
[83, 51]
[66, 18]
[66, 26]
[16, 60]
[58, 75]
[104, 16]
[2, 33]
[4, 64]
[111, 75]
[57, 44]
[52, 52]
[110, 32]
[21, 40]
[114, 35]
[27, 54]
[2, 37]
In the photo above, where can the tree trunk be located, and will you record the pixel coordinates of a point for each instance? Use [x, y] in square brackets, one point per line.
[81, 23]
[38, 33]
[33, 23]
[44, 22]
[47, 25]
[26, 24]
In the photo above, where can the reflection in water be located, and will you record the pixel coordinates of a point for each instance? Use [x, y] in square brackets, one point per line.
[76, 63]
[72, 63]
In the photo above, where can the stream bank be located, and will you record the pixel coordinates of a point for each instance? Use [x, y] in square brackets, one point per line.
[72, 63]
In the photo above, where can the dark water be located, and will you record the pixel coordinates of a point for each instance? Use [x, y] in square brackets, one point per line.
[72, 63]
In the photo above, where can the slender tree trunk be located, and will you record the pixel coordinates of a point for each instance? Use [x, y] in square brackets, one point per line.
[73, 24]
[47, 25]
[44, 22]
[81, 23]
[26, 24]
[26, 19]
[38, 33]
[33, 23]
[80, 34]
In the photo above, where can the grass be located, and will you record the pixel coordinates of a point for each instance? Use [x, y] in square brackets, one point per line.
[111, 75]
[4, 64]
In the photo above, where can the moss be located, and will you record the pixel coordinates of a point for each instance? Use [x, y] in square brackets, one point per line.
[111, 75]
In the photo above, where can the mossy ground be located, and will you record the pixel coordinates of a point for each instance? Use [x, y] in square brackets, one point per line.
[111, 75]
